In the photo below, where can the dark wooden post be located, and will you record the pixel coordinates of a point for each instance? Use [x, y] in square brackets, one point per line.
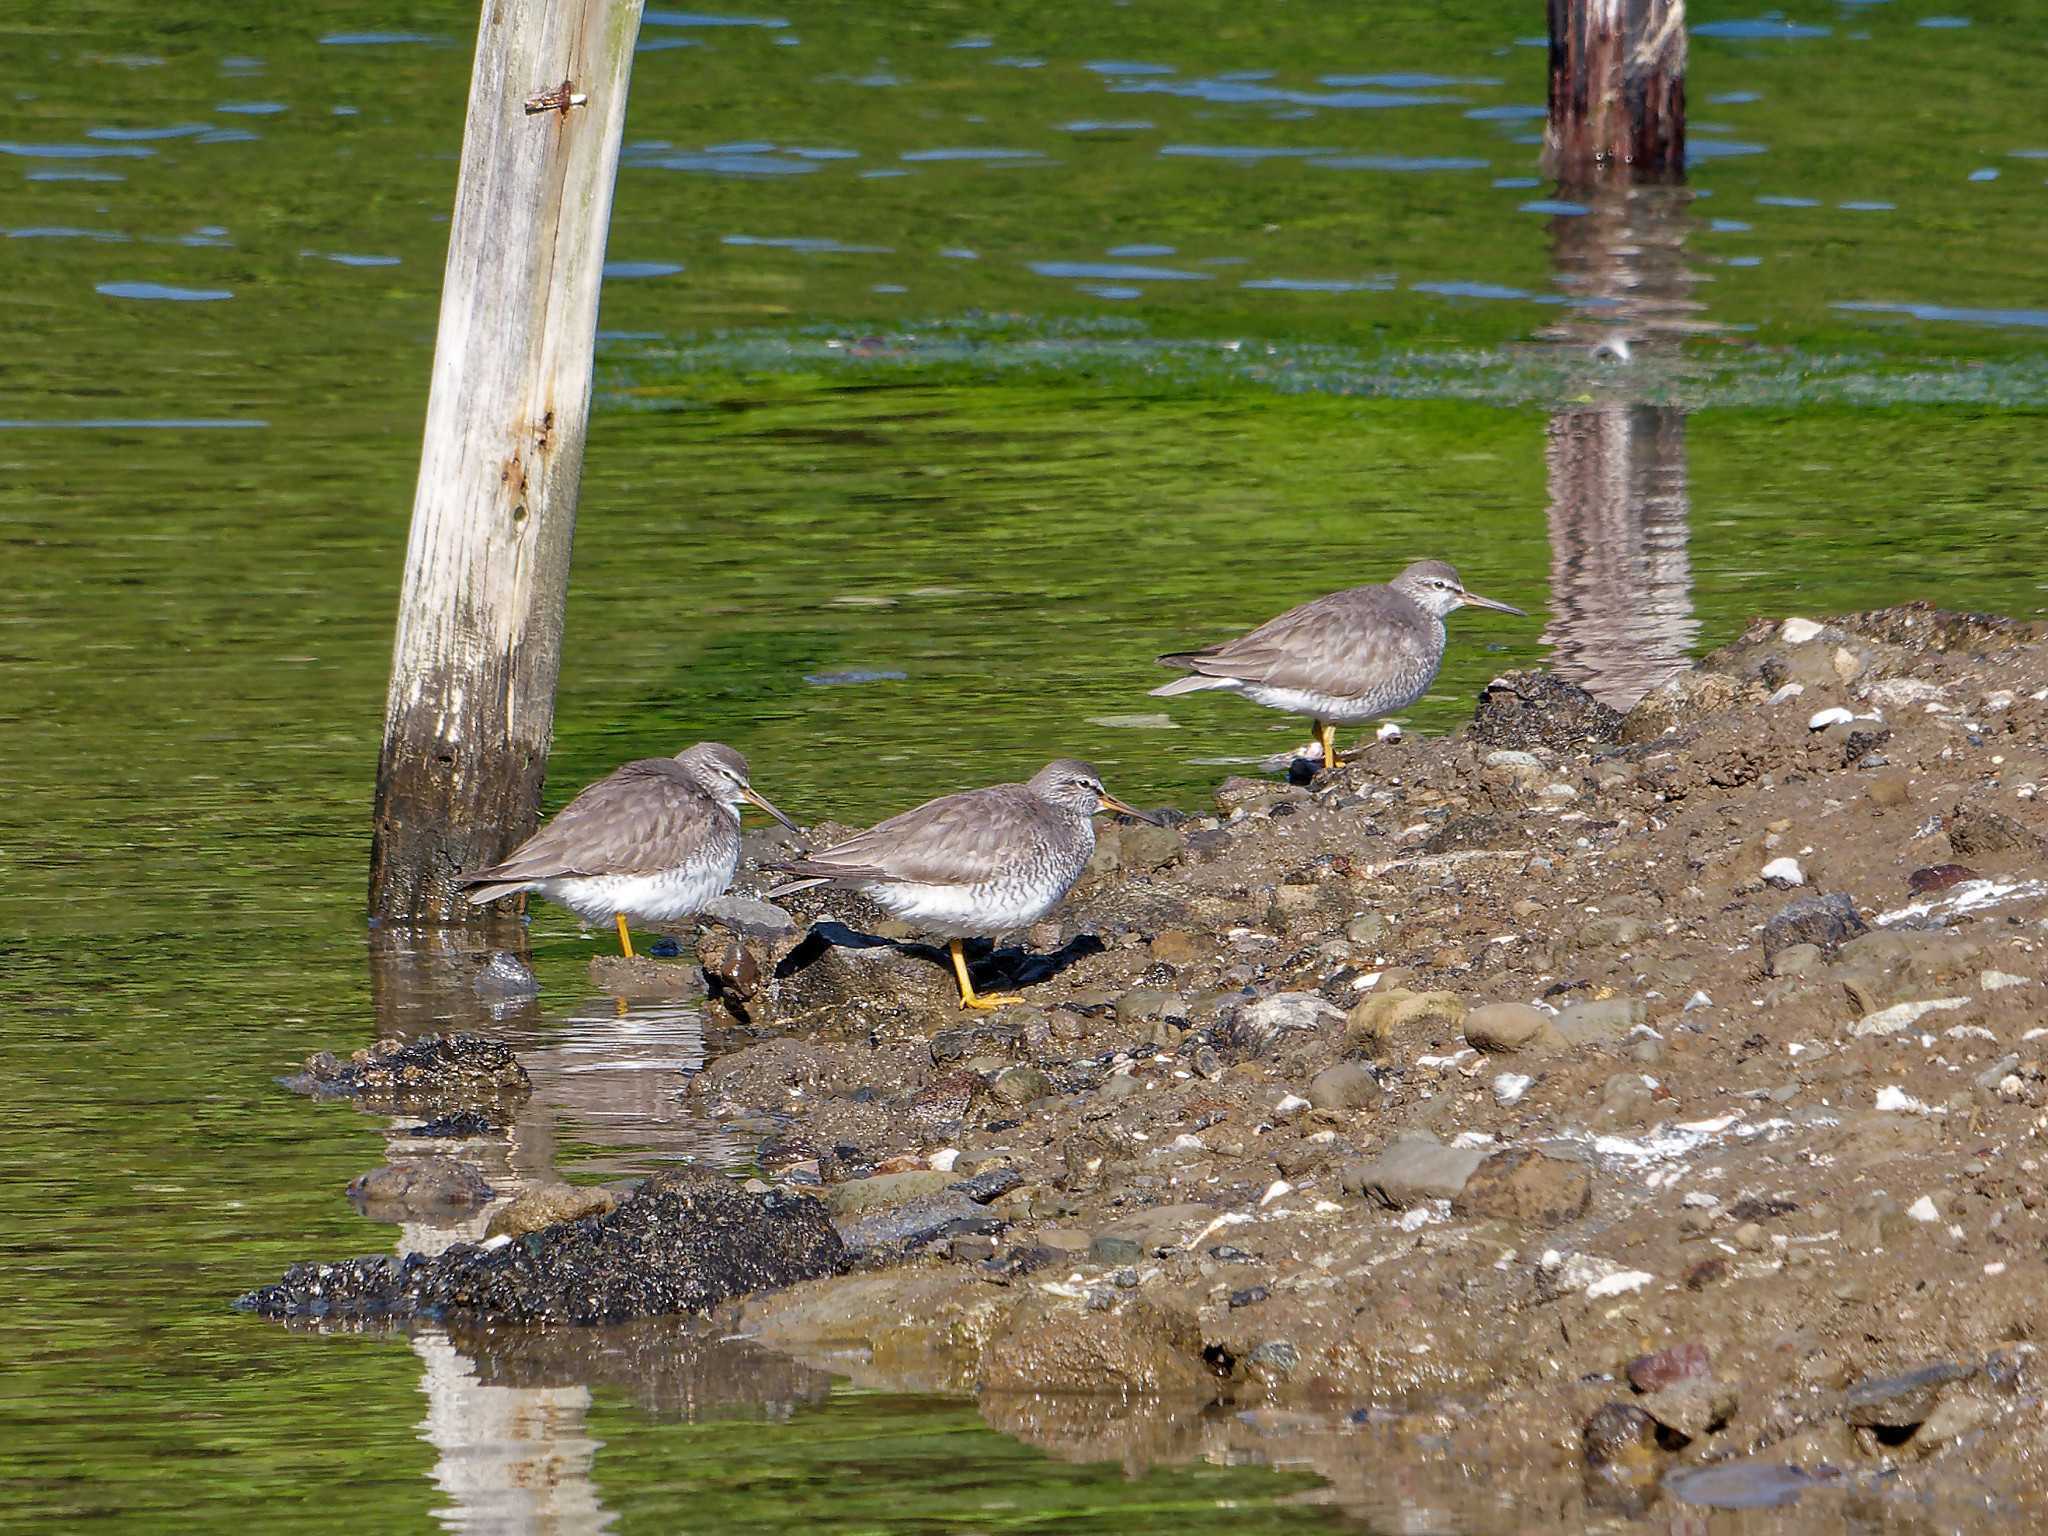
[470, 713]
[1617, 87]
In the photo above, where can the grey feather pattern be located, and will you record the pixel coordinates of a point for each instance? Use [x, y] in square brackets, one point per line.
[976, 836]
[640, 819]
[1357, 643]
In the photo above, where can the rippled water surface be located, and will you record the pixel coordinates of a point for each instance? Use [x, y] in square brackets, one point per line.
[955, 362]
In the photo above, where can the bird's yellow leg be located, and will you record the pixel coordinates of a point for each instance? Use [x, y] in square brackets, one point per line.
[625, 938]
[969, 998]
[1328, 732]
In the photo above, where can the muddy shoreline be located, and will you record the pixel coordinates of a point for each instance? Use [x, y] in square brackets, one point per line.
[1628, 1108]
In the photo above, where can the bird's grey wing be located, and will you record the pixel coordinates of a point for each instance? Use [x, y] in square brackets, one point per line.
[958, 839]
[630, 822]
[1345, 644]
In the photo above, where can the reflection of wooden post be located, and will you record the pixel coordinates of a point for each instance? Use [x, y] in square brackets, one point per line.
[1617, 87]
[471, 707]
[1621, 617]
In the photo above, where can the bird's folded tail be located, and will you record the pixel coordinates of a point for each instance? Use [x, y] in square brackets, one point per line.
[484, 895]
[1196, 682]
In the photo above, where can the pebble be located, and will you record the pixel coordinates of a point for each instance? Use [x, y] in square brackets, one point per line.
[1344, 1085]
[1798, 631]
[1413, 1168]
[1784, 873]
[1366, 930]
[1901, 1401]
[1821, 719]
[1523, 1185]
[1021, 1085]
[1901, 1016]
[1666, 1367]
[1511, 1027]
[1508, 1087]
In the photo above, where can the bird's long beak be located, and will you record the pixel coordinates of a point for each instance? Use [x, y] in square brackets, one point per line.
[754, 797]
[1111, 803]
[1474, 600]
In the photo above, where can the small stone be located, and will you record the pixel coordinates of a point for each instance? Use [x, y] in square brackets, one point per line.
[1784, 873]
[1973, 831]
[1935, 878]
[1795, 960]
[1826, 921]
[1692, 1407]
[856, 1196]
[1618, 1433]
[1284, 1012]
[1250, 1296]
[1891, 790]
[1175, 947]
[1666, 1367]
[1751, 1238]
[1511, 1027]
[1346, 1085]
[749, 916]
[1276, 1355]
[1612, 932]
[544, 1205]
[1366, 930]
[1901, 1401]
[1143, 1003]
[1383, 1018]
[1523, 1185]
[1413, 1168]
[1601, 1021]
[1957, 1414]
[1022, 1085]
[1798, 631]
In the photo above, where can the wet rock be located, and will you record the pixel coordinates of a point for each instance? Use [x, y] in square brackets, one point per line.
[895, 1231]
[505, 975]
[1901, 1401]
[749, 917]
[1475, 831]
[1397, 1016]
[1413, 1168]
[545, 1205]
[433, 1071]
[1618, 1433]
[1667, 1367]
[684, 1241]
[1139, 1352]
[1825, 921]
[855, 1196]
[1692, 1407]
[423, 1187]
[1507, 1028]
[1523, 1185]
[461, 1125]
[1743, 1484]
[1974, 831]
[1345, 1086]
[645, 978]
[1276, 1356]
[1530, 709]
[735, 966]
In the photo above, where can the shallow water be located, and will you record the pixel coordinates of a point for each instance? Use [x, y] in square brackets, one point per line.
[949, 373]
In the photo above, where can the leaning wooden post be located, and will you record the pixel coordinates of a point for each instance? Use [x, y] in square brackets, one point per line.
[471, 709]
[1617, 88]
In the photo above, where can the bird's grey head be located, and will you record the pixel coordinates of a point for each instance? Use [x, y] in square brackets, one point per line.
[1075, 787]
[721, 773]
[1435, 586]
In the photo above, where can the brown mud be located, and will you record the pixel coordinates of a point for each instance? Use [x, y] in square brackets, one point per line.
[1621, 1109]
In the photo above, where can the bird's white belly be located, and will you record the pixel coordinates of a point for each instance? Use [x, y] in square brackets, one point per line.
[659, 898]
[1336, 708]
[966, 911]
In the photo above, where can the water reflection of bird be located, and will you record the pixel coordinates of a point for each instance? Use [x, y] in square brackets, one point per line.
[655, 840]
[1342, 659]
[974, 864]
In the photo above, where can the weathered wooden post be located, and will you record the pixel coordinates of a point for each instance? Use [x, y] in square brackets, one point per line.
[1617, 87]
[471, 708]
